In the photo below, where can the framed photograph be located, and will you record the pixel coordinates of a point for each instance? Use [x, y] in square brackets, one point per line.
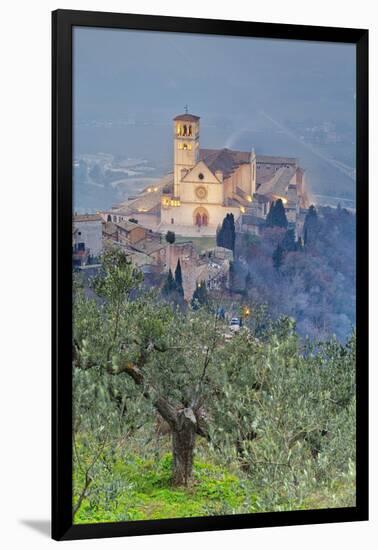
[210, 200]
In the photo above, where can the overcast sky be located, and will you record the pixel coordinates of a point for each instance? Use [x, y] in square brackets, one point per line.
[121, 73]
[249, 92]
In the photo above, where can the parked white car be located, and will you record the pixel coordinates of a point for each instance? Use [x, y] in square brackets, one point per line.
[235, 324]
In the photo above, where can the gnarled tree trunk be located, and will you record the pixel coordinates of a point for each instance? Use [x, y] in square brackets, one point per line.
[183, 442]
[183, 424]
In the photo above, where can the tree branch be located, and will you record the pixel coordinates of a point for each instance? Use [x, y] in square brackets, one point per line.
[166, 410]
[88, 478]
[209, 351]
[162, 405]
[88, 481]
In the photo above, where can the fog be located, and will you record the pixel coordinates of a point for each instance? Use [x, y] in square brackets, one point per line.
[292, 98]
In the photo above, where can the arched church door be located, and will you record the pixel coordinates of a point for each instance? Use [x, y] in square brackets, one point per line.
[200, 217]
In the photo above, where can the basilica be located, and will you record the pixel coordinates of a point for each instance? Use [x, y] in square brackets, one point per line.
[206, 184]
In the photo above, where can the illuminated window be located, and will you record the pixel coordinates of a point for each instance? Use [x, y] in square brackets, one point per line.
[185, 146]
[180, 145]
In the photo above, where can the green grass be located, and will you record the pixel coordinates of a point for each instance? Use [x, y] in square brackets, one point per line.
[338, 494]
[139, 489]
[128, 487]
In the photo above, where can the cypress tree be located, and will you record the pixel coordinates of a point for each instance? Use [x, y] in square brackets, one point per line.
[270, 216]
[288, 242]
[219, 236]
[277, 216]
[226, 234]
[278, 257]
[310, 227]
[232, 231]
[178, 278]
[280, 214]
[248, 280]
[169, 285]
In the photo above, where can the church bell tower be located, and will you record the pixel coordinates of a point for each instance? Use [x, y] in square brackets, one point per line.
[186, 147]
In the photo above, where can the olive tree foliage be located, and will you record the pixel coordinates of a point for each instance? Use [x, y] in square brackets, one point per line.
[104, 412]
[148, 346]
[281, 411]
[105, 415]
[286, 414]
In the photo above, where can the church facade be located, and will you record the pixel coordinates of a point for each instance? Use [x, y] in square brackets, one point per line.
[207, 184]
[204, 181]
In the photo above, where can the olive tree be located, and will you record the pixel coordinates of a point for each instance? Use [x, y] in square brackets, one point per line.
[168, 355]
[291, 425]
[280, 409]
[103, 411]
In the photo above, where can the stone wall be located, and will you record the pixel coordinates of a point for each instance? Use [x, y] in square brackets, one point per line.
[89, 233]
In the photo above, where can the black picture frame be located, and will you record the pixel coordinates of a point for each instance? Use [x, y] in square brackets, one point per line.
[62, 23]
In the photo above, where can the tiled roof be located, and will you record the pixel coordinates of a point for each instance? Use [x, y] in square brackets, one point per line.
[87, 218]
[187, 117]
[149, 247]
[225, 160]
[140, 259]
[145, 201]
[127, 225]
[264, 159]
[279, 183]
[110, 228]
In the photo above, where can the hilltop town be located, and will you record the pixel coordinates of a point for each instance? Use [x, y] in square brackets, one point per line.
[191, 202]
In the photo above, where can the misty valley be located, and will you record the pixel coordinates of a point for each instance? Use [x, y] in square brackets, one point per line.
[214, 275]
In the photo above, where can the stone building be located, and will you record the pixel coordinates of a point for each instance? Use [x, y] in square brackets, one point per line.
[86, 238]
[207, 184]
[130, 232]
